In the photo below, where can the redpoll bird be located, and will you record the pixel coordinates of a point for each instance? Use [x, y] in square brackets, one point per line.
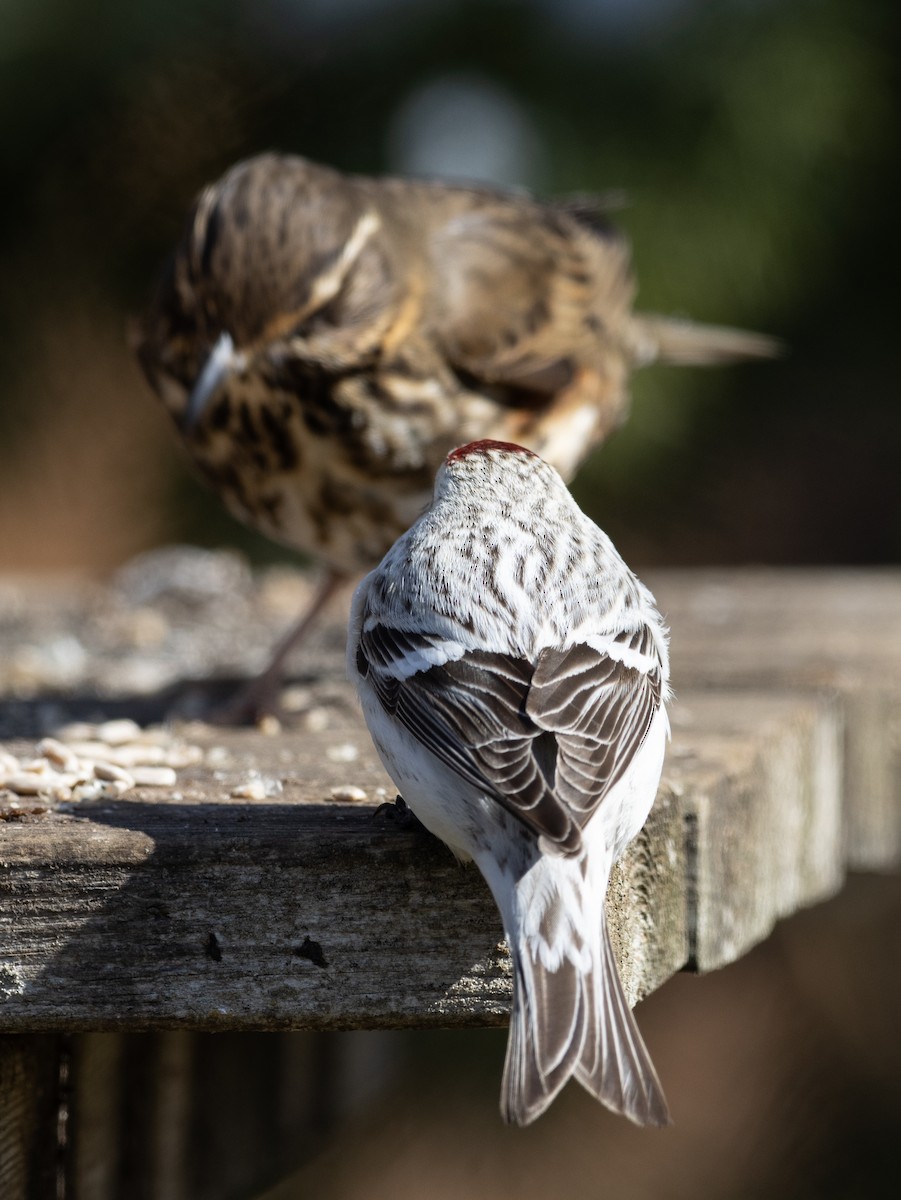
[513, 673]
[323, 340]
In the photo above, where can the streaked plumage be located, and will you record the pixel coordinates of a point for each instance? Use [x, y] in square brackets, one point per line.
[513, 674]
[339, 335]
[322, 340]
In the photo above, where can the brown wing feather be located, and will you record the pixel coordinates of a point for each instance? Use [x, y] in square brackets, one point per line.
[471, 714]
[550, 271]
[546, 742]
[600, 711]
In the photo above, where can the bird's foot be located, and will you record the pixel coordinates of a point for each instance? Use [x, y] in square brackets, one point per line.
[399, 813]
[256, 703]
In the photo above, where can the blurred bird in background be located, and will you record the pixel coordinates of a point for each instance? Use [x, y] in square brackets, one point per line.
[322, 341]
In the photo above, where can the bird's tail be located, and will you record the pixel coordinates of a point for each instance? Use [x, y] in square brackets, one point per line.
[571, 1023]
[686, 344]
[615, 1065]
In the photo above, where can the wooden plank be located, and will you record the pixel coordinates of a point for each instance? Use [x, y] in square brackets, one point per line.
[176, 616]
[811, 630]
[182, 1116]
[203, 912]
[138, 646]
[764, 814]
[188, 909]
[183, 909]
[30, 1128]
[97, 1105]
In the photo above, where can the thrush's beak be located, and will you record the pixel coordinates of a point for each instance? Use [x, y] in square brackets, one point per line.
[222, 361]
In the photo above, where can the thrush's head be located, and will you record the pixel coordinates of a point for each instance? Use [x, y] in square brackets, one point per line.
[246, 277]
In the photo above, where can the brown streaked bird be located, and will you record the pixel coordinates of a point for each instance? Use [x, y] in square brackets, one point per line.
[322, 341]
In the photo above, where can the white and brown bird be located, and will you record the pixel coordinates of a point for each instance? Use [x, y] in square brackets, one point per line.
[323, 340]
[513, 673]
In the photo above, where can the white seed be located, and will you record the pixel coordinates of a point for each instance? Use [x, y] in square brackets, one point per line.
[118, 732]
[269, 725]
[58, 754]
[344, 753]
[183, 756]
[154, 736]
[9, 764]
[77, 731]
[110, 773]
[63, 779]
[153, 777]
[146, 627]
[100, 789]
[137, 755]
[296, 699]
[37, 766]
[253, 789]
[89, 749]
[347, 793]
[258, 787]
[33, 784]
[316, 720]
[25, 785]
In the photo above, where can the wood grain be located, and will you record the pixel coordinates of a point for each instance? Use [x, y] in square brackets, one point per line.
[132, 930]
[204, 912]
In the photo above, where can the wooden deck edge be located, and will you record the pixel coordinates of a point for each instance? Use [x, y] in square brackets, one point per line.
[214, 915]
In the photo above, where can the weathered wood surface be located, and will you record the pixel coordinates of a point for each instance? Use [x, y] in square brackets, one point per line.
[188, 909]
[807, 630]
[214, 913]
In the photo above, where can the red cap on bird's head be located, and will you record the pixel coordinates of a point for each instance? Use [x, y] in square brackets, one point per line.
[483, 446]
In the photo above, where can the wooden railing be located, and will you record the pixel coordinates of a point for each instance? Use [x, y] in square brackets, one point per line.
[195, 907]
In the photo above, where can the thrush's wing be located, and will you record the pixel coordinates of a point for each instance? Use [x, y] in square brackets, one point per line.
[527, 292]
[546, 740]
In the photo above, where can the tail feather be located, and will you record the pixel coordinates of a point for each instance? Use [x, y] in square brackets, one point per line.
[548, 1027]
[616, 1066]
[567, 1023]
[684, 343]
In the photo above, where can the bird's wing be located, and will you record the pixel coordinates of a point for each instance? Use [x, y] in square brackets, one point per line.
[547, 741]
[600, 711]
[522, 290]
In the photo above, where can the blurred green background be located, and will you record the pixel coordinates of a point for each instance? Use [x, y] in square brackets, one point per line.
[752, 140]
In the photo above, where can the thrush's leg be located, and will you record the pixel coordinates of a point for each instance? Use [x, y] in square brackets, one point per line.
[259, 698]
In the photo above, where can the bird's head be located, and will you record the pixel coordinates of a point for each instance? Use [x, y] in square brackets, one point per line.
[244, 281]
[502, 470]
